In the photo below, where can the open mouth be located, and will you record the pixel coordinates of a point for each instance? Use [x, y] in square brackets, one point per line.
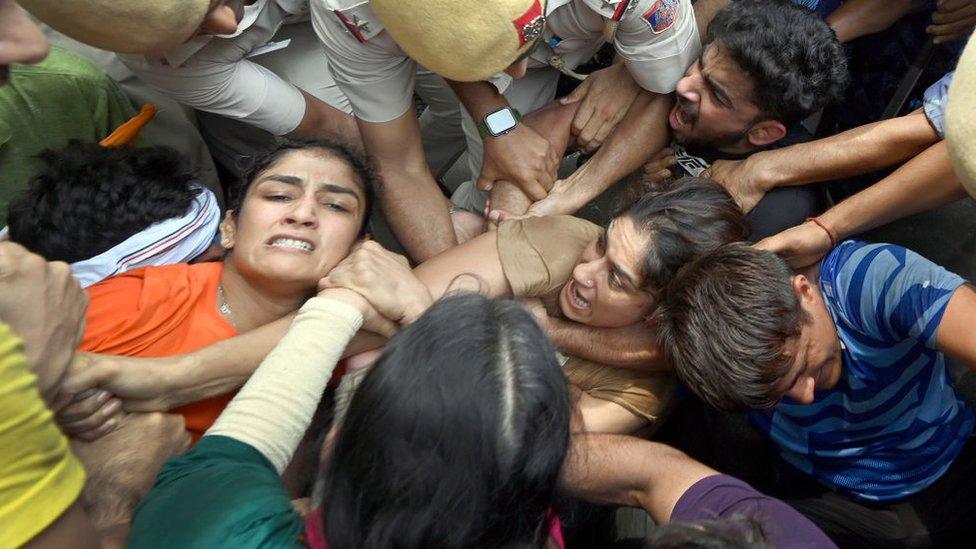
[679, 118]
[292, 244]
[575, 299]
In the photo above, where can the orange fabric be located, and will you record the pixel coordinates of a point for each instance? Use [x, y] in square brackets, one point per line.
[161, 311]
[127, 133]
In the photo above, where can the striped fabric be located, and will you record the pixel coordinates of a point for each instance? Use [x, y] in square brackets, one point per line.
[894, 423]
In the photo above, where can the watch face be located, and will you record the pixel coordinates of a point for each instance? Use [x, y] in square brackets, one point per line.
[500, 121]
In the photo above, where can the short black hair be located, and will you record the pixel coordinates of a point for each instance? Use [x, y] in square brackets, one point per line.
[356, 162]
[723, 325]
[86, 198]
[793, 57]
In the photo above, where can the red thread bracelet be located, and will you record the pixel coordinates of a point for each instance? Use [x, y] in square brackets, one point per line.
[830, 234]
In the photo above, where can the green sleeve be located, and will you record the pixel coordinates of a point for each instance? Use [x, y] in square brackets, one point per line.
[222, 493]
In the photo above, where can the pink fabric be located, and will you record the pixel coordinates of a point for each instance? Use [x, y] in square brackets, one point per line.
[314, 532]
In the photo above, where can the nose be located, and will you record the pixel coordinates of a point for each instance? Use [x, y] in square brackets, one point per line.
[303, 212]
[802, 390]
[585, 273]
[687, 88]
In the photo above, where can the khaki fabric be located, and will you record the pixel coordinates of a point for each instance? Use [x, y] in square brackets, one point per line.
[645, 394]
[538, 255]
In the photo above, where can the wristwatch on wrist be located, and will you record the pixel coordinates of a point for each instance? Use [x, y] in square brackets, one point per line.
[499, 122]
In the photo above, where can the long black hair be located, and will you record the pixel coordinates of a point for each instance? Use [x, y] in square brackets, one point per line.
[455, 438]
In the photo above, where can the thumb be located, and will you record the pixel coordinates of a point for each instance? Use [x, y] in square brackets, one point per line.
[576, 94]
[87, 372]
[485, 183]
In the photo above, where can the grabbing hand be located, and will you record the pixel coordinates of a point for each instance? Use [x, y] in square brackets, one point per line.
[97, 387]
[800, 246]
[44, 306]
[740, 179]
[606, 96]
[523, 157]
[952, 19]
[657, 169]
[566, 197]
[384, 280]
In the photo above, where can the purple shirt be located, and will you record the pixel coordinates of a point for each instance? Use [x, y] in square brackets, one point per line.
[722, 496]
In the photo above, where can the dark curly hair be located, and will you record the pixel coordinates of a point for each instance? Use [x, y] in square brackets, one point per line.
[360, 167]
[86, 198]
[793, 57]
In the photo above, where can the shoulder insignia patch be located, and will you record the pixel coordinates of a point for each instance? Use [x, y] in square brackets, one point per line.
[662, 15]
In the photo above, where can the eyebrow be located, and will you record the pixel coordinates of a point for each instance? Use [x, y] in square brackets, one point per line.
[331, 187]
[720, 93]
[617, 268]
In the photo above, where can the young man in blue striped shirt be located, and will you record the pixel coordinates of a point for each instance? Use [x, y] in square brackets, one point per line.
[846, 366]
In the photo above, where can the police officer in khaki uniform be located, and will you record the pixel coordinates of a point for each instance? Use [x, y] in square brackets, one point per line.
[654, 40]
[374, 47]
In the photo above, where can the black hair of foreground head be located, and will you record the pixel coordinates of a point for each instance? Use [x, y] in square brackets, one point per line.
[86, 198]
[455, 438]
[340, 151]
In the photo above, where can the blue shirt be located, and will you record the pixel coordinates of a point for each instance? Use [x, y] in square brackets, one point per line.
[893, 423]
[934, 102]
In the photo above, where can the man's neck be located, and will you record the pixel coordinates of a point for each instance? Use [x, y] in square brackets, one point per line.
[251, 307]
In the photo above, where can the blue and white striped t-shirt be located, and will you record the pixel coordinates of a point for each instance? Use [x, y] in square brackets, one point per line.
[893, 423]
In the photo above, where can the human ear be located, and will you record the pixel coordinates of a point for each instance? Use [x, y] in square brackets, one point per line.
[228, 230]
[766, 133]
[803, 289]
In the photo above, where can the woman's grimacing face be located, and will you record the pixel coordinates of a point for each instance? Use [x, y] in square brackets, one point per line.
[299, 219]
[606, 289]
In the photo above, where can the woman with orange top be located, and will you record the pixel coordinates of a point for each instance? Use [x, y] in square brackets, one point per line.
[296, 215]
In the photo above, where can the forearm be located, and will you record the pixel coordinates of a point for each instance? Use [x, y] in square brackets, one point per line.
[923, 183]
[632, 347]
[296, 371]
[620, 470]
[854, 152]
[414, 206]
[645, 123]
[224, 366]
[856, 18]
[552, 122]
[508, 197]
[479, 98]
